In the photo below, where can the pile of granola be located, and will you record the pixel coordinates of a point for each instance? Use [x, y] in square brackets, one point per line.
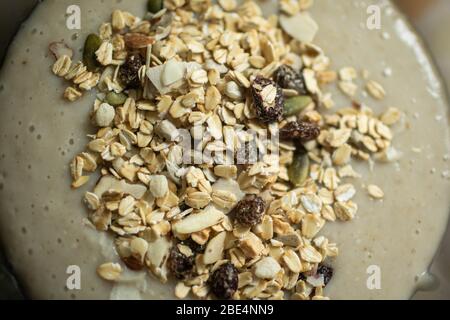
[238, 214]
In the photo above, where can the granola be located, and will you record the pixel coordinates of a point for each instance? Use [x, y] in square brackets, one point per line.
[245, 226]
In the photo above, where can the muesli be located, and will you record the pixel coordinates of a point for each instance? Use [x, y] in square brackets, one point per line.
[221, 154]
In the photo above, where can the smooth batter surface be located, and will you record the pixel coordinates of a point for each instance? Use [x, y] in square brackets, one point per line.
[42, 220]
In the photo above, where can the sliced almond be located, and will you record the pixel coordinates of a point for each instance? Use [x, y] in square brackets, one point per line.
[157, 252]
[110, 183]
[300, 26]
[208, 217]
[173, 72]
[139, 247]
[214, 249]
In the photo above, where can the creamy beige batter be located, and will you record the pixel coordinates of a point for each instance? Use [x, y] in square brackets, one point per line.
[41, 219]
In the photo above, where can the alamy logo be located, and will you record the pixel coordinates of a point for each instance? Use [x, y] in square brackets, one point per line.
[374, 19]
[73, 281]
[73, 21]
[374, 279]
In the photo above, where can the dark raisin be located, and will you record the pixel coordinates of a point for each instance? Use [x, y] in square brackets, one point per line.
[183, 206]
[180, 265]
[326, 271]
[224, 281]
[300, 130]
[133, 263]
[288, 78]
[194, 246]
[250, 210]
[129, 72]
[268, 100]
[302, 277]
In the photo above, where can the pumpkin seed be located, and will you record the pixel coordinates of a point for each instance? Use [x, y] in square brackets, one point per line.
[91, 45]
[295, 105]
[116, 99]
[298, 171]
[155, 6]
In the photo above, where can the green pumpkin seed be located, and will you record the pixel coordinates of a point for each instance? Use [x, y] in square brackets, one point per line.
[155, 6]
[295, 105]
[93, 42]
[298, 171]
[116, 99]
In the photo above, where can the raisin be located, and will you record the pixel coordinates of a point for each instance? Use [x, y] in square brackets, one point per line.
[224, 281]
[250, 210]
[268, 99]
[300, 130]
[183, 206]
[194, 246]
[326, 271]
[180, 265]
[129, 72]
[133, 263]
[288, 78]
